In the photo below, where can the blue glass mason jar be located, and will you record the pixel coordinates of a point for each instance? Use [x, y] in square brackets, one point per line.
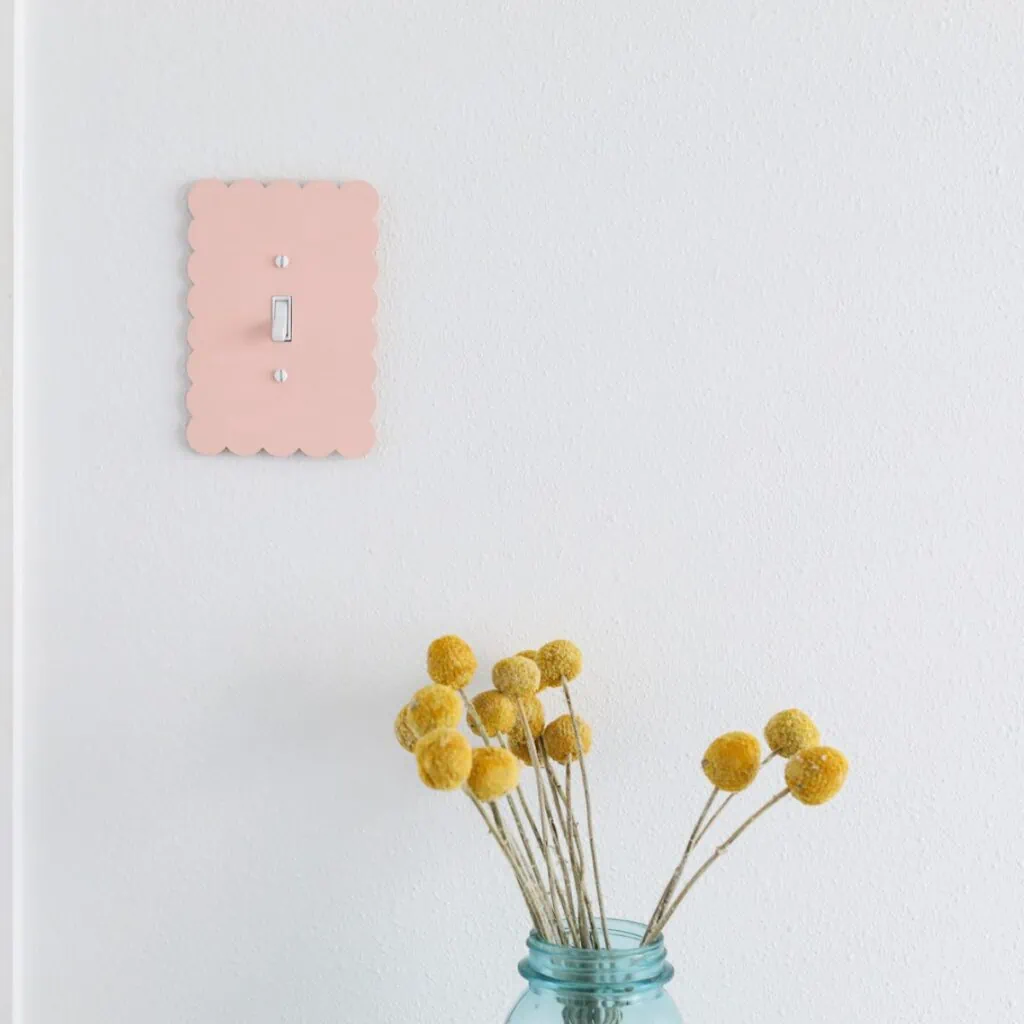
[621, 985]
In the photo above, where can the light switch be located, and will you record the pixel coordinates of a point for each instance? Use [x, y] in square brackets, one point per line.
[282, 331]
[281, 318]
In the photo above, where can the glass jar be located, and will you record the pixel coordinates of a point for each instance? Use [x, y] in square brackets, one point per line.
[621, 985]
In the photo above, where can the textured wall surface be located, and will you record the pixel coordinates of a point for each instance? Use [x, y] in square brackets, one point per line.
[700, 344]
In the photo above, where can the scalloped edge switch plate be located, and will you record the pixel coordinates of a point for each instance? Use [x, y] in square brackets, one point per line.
[254, 246]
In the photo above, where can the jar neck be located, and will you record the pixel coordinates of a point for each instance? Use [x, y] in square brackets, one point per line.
[627, 972]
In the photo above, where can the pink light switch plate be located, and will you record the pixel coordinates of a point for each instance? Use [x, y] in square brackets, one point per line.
[240, 399]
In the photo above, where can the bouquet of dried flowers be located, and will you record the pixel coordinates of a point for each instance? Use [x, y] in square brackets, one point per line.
[555, 870]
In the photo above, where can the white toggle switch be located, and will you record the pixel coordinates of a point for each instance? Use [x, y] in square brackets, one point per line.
[281, 318]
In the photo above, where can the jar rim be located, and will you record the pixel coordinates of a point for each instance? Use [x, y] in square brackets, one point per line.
[617, 926]
[626, 974]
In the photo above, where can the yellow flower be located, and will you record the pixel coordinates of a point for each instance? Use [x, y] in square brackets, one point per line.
[534, 714]
[516, 677]
[496, 712]
[560, 739]
[434, 707]
[532, 655]
[816, 774]
[559, 659]
[791, 731]
[732, 761]
[403, 730]
[495, 772]
[451, 662]
[444, 758]
[518, 745]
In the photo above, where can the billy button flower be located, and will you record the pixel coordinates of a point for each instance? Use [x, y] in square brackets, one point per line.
[791, 731]
[444, 759]
[534, 714]
[451, 662]
[517, 742]
[558, 660]
[732, 761]
[434, 707]
[516, 677]
[495, 711]
[495, 773]
[816, 774]
[403, 730]
[519, 745]
[560, 739]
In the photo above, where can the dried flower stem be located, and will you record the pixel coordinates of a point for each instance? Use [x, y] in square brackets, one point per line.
[718, 853]
[524, 805]
[542, 803]
[537, 876]
[723, 805]
[509, 844]
[588, 926]
[535, 886]
[669, 889]
[534, 827]
[567, 900]
[566, 913]
[519, 824]
[526, 886]
[472, 713]
[564, 896]
[587, 920]
[518, 794]
[695, 837]
[522, 835]
[590, 814]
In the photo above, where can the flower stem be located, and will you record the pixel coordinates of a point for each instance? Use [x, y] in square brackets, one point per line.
[669, 889]
[588, 927]
[474, 715]
[522, 835]
[526, 886]
[590, 814]
[711, 860]
[567, 900]
[542, 802]
[722, 807]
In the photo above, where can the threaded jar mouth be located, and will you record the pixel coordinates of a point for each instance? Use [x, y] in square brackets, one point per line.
[627, 969]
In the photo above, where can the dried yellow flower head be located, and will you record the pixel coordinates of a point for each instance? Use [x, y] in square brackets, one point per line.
[560, 739]
[532, 655]
[732, 761]
[816, 774]
[497, 713]
[495, 772]
[790, 731]
[403, 730]
[557, 660]
[451, 662]
[534, 714]
[516, 677]
[434, 707]
[519, 746]
[444, 758]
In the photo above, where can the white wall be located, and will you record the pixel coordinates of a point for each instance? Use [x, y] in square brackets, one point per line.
[700, 343]
[8, 186]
